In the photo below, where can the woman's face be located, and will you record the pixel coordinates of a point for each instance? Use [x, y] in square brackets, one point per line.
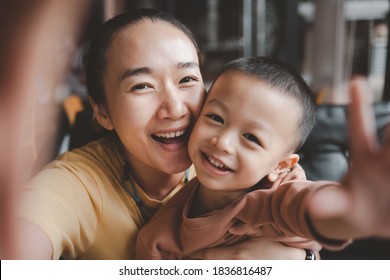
[154, 92]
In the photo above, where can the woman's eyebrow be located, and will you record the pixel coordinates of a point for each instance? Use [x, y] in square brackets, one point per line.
[129, 72]
[190, 64]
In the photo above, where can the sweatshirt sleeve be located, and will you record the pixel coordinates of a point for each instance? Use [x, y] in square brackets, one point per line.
[284, 207]
[289, 210]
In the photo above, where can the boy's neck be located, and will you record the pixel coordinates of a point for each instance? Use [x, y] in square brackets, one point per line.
[207, 200]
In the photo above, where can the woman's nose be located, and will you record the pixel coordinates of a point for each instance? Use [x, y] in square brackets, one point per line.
[172, 104]
[224, 143]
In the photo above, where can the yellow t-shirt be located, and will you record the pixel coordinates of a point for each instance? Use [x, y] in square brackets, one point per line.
[80, 202]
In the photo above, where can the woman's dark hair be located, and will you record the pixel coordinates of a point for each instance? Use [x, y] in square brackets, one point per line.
[94, 57]
[286, 80]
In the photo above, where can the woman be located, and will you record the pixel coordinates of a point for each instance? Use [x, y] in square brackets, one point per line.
[145, 84]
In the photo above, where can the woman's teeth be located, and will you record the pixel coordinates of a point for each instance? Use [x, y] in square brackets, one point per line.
[170, 134]
[170, 137]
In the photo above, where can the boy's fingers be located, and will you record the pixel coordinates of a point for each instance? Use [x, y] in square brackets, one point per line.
[386, 142]
[361, 119]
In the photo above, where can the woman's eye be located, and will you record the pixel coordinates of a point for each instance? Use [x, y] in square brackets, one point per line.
[252, 138]
[215, 118]
[140, 87]
[187, 79]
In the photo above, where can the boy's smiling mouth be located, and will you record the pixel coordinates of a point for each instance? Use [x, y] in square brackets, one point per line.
[217, 164]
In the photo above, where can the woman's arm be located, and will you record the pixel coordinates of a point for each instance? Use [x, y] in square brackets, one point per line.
[31, 242]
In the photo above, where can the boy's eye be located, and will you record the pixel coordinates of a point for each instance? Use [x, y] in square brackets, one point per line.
[140, 87]
[252, 138]
[215, 118]
[187, 79]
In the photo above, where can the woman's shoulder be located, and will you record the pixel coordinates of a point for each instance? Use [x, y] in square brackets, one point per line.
[82, 172]
[98, 159]
[105, 150]
[97, 148]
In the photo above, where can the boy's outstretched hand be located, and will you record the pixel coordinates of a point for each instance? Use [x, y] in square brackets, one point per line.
[362, 207]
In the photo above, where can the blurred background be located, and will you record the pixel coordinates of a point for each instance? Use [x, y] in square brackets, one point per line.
[43, 100]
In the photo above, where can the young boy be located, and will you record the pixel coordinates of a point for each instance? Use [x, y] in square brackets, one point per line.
[257, 114]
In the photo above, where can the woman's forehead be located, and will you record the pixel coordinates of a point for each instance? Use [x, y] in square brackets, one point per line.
[155, 46]
[149, 34]
[147, 40]
[149, 30]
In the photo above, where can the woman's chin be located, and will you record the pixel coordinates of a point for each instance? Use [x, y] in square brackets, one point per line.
[175, 166]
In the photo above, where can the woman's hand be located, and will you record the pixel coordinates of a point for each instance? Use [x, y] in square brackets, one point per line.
[252, 249]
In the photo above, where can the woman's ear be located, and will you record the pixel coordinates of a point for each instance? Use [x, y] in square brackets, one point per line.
[101, 115]
[283, 165]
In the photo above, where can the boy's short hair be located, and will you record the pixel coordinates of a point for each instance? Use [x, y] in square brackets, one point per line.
[286, 80]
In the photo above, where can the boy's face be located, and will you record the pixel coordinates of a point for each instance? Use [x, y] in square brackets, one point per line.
[245, 131]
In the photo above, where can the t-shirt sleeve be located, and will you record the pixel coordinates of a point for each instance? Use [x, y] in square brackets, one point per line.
[64, 203]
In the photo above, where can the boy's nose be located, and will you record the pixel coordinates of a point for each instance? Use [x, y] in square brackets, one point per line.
[223, 143]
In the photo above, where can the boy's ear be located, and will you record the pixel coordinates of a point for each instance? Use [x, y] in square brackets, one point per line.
[101, 115]
[283, 165]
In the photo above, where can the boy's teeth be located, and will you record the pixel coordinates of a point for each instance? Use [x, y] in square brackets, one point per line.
[215, 163]
[171, 134]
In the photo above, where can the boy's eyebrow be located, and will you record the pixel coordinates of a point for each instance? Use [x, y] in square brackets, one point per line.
[254, 123]
[218, 102]
[129, 72]
[263, 126]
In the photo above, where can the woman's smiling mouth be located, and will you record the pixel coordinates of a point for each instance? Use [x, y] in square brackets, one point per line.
[174, 137]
